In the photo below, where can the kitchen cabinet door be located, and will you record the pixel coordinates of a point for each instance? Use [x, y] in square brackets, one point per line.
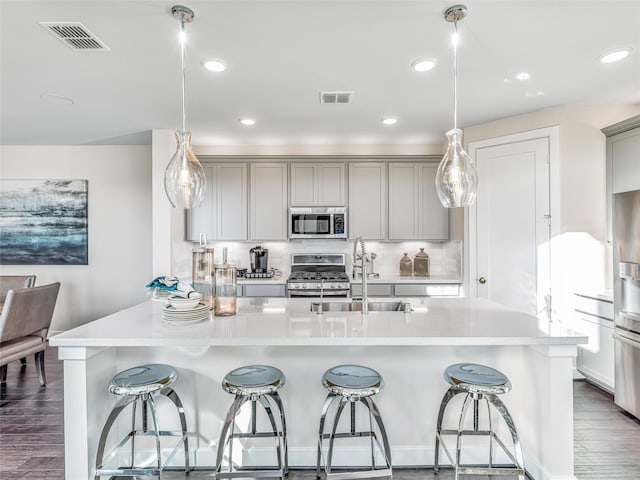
[433, 217]
[318, 184]
[201, 221]
[368, 200]
[332, 184]
[415, 211]
[623, 172]
[404, 205]
[223, 213]
[232, 201]
[268, 210]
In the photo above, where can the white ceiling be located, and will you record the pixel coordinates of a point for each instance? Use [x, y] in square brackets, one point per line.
[280, 55]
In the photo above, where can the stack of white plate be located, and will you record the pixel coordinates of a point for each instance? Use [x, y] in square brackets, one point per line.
[182, 316]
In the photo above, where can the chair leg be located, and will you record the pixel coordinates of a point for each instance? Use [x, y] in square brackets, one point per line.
[449, 394]
[3, 374]
[39, 360]
[278, 401]
[173, 396]
[227, 432]
[118, 407]
[323, 416]
[341, 404]
[373, 408]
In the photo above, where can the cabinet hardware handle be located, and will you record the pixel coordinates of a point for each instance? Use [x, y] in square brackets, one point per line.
[482, 280]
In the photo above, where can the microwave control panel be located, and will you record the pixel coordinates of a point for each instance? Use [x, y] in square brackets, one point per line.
[338, 224]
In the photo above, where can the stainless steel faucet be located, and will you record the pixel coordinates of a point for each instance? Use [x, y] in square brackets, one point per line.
[363, 270]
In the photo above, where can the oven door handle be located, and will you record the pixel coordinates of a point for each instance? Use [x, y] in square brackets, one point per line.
[629, 338]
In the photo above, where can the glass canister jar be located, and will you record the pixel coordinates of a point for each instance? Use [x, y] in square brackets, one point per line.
[202, 272]
[406, 266]
[421, 264]
[225, 302]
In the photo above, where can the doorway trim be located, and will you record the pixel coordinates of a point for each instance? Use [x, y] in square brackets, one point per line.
[553, 135]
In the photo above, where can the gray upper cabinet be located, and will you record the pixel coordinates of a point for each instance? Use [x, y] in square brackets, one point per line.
[223, 213]
[623, 162]
[415, 211]
[268, 211]
[318, 184]
[368, 200]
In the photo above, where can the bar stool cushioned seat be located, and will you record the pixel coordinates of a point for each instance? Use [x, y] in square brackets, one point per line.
[137, 385]
[478, 382]
[351, 384]
[255, 384]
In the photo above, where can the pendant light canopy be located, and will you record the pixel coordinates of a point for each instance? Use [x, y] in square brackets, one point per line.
[184, 180]
[457, 177]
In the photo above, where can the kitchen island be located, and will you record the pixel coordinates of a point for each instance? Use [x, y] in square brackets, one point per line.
[410, 350]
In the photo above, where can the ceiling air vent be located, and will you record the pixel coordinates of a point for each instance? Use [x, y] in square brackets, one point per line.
[336, 97]
[75, 36]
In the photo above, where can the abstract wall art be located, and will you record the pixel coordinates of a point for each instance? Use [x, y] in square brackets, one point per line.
[43, 222]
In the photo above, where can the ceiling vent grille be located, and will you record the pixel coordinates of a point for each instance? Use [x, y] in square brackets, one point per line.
[336, 97]
[75, 36]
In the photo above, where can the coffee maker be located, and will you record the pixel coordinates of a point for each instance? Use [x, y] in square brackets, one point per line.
[259, 257]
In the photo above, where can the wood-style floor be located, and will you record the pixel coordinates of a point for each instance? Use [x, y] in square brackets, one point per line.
[607, 440]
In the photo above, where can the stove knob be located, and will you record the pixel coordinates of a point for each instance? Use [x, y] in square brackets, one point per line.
[304, 286]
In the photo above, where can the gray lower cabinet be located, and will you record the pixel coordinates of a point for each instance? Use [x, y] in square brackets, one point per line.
[594, 318]
[262, 290]
[407, 290]
[373, 290]
[427, 289]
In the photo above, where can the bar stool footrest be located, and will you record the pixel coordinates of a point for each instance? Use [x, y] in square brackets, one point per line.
[381, 472]
[142, 471]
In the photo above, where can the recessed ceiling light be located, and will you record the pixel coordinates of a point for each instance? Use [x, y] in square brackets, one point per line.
[389, 120]
[247, 121]
[55, 99]
[615, 55]
[214, 65]
[522, 76]
[424, 64]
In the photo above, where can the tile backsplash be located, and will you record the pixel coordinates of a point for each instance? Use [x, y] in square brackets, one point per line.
[445, 257]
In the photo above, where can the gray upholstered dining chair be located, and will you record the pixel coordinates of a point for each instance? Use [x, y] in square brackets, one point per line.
[11, 282]
[24, 324]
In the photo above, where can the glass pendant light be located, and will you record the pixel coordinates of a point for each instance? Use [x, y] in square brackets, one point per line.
[184, 180]
[457, 177]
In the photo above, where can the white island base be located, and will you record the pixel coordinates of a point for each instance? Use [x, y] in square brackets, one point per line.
[410, 350]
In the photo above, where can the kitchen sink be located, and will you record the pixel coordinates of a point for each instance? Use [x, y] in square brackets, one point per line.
[318, 307]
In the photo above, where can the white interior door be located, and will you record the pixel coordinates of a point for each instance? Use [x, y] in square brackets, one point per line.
[509, 225]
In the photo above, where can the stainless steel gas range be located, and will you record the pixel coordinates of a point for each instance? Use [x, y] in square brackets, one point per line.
[318, 274]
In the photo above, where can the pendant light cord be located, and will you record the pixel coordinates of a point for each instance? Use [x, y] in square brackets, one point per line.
[183, 39]
[455, 71]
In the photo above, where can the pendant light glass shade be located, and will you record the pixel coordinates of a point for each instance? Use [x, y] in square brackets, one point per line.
[184, 180]
[456, 178]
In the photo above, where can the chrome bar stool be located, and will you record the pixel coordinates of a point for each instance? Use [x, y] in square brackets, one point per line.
[137, 386]
[350, 384]
[478, 382]
[257, 384]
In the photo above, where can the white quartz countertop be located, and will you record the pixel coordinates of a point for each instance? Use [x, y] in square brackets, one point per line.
[289, 322]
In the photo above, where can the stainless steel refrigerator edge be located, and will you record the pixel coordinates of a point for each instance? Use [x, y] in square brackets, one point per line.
[626, 299]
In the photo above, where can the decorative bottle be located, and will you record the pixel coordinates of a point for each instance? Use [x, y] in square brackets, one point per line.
[421, 264]
[406, 266]
[225, 301]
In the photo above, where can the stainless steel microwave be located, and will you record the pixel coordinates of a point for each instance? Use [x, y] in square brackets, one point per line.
[317, 222]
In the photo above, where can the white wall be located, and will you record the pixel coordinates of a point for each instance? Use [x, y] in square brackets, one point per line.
[581, 256]
[119, 234]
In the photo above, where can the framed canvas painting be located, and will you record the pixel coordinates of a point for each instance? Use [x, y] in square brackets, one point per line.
[43, 222]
